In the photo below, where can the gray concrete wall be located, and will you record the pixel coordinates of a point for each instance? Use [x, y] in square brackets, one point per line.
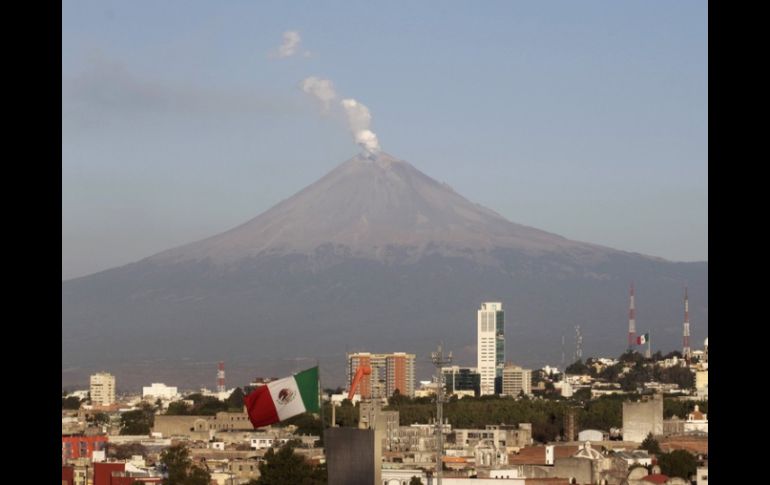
[350, 456]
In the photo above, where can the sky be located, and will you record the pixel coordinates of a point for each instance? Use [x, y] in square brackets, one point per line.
[182, 119]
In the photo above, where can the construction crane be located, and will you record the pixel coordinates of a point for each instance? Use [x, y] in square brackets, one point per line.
[362, 371]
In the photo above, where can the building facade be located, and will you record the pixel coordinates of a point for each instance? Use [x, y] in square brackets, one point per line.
[458, 380]
[102, 389]
[490, 327]
[642, 418]
[390, 372]
[516, 380]
[159, 391]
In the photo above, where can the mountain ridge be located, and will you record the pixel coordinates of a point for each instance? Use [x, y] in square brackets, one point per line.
[374, 255]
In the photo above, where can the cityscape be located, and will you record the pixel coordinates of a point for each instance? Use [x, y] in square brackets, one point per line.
[385, 243]
[651, 424]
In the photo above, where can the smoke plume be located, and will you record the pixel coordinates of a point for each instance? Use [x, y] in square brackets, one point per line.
[321, 89]
[290, 45]
[359, 119]
[358, 116]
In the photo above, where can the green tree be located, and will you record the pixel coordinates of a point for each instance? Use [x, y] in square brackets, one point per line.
[235, 401]
[577, 367]
[70, 402]
[415, 481]
[178, 408]
[180, 468]
[137, 422]
[582, 394]
[284, 467]
[99, 419]
[678, 463]
[126, 451]
[682, 376]
[397, 399]
[651, 445]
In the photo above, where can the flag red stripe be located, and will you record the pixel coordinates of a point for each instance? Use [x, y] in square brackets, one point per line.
[260, 407]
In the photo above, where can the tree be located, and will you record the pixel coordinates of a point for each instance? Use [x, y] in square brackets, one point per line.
[178, 408]
[285, 466]
[70, 402]
[582, 394]
[682, 376]
[99, 419]
[176, 459]
[138, 421]
[678, 463]
[577, 368]
[180, 468]
[126, 451]
[415, 481]
[235, 401]
[651, 445]
[397, 399]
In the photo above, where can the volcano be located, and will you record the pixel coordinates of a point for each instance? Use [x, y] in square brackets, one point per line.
[374, 256]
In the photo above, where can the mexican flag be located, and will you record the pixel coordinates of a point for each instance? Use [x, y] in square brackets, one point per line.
[643, 339]
[284, 398]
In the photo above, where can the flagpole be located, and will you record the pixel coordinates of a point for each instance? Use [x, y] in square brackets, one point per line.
[320, 395]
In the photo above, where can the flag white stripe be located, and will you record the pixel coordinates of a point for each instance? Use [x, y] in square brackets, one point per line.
[291, 404]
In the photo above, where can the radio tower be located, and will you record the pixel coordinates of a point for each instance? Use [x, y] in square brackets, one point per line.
[221, 377]
[440, 360]
[631, 321]
[578, 343]
[686, 336]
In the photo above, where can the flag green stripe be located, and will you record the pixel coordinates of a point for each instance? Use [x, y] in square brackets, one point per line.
[307, 382]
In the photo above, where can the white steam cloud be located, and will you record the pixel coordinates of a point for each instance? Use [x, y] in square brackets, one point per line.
[290, 45]
[321, 89]
[359, 120]
[358, 116]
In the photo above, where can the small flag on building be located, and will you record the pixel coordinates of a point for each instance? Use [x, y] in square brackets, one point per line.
[642, 339]
[284, 398]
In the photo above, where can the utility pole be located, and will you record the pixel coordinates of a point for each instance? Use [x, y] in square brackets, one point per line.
[440, 361]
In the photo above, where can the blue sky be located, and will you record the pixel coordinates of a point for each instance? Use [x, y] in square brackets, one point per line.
[586, 119]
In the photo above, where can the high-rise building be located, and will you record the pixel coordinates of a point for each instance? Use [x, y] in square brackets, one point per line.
[458, 378]
[516, 380]
[389, 372]
[490, 345]
[102, 389]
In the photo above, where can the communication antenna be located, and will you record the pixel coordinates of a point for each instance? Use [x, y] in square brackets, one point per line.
[440, 361]
[578, 343]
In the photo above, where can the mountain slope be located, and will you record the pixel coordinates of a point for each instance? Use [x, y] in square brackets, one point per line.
[374, 256]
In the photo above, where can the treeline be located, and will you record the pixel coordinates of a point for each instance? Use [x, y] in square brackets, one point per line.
[546, 416]
[207, 405]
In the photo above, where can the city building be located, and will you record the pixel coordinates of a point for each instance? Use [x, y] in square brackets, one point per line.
[461, 380]
[697, 421]
[102, 389]
[390, 372]
[73, 447]
[490, 345]
[702, 383]
[159, 391]
[642, 418]
[516, 380]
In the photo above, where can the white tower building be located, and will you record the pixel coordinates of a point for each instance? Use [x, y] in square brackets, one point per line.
[102, 389]
[490, 345]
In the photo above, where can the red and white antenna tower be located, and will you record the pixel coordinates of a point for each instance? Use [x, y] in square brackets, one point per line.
[221, 377]
[686, 353]
[631, 320]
